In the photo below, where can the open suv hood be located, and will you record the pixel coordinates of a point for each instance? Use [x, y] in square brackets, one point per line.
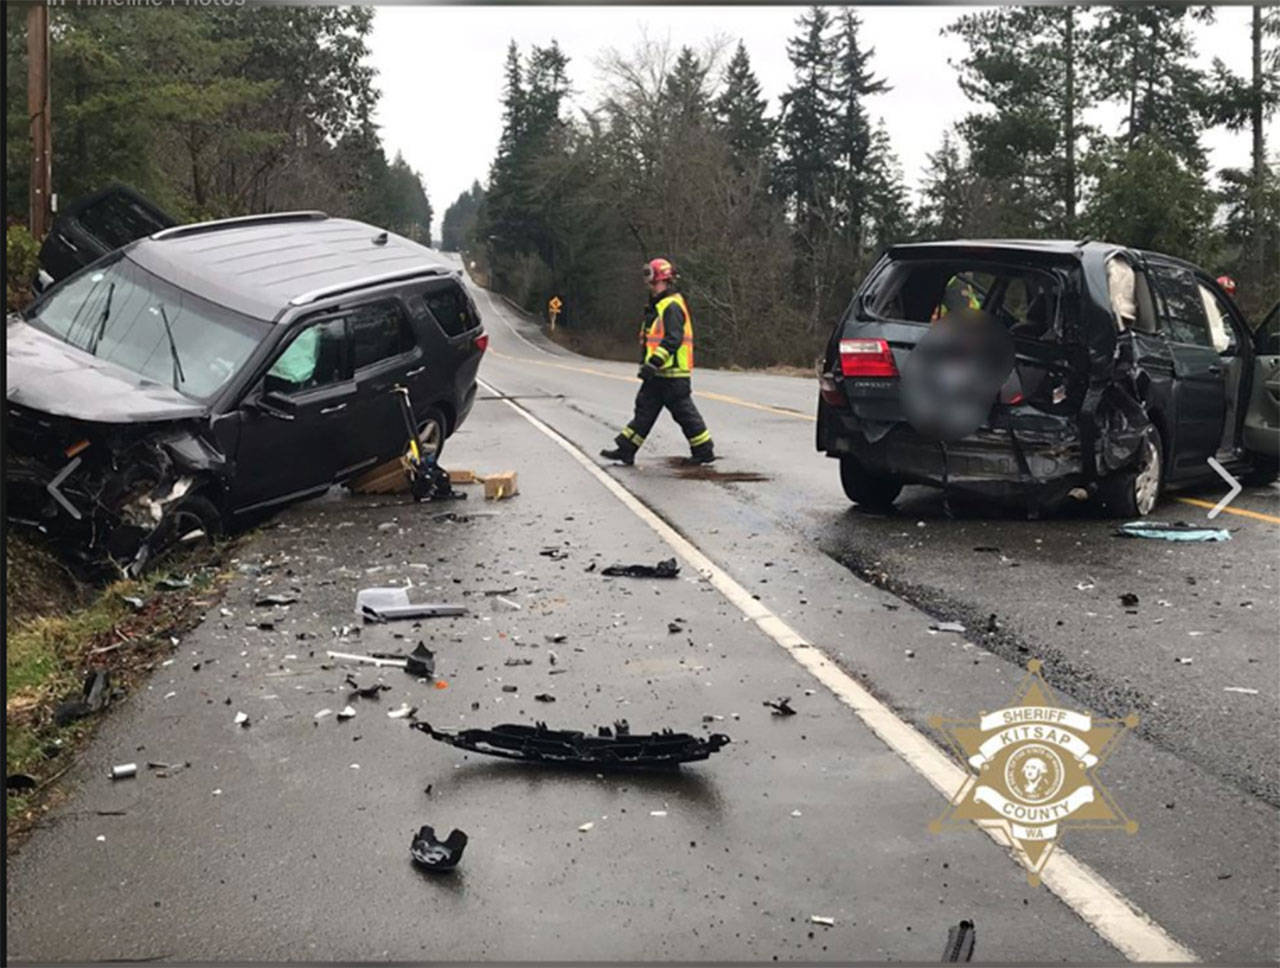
[51, 376]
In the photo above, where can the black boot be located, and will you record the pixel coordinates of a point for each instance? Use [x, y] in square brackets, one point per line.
[620, 452]
[702, 454]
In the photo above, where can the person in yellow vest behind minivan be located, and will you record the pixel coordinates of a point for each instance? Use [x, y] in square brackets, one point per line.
[666, 373]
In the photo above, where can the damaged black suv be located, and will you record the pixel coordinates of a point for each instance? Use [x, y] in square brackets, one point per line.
[1116, 370]
[206, 373]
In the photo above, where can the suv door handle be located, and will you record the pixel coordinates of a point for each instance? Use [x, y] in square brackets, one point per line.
[1215, 369]
[416, 370]
[334, 409]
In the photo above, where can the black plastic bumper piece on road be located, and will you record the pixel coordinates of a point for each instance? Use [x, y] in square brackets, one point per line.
[611, 749]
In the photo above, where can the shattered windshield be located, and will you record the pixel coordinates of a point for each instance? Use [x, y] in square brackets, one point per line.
[120, 312]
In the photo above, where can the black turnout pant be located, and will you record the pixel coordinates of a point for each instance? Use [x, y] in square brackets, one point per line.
[674, 393]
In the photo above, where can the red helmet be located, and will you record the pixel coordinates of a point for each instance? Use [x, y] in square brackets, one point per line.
[658, 270]
[1228, 285]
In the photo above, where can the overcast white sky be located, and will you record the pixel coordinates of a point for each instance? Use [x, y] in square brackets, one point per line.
[440, 69]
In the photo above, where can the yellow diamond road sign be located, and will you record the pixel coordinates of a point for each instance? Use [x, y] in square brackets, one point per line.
[555, 304]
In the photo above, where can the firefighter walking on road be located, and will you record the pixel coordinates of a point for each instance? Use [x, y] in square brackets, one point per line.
[665, 373]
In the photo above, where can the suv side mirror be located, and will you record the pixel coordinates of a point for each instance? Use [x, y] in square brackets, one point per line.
[275, 404]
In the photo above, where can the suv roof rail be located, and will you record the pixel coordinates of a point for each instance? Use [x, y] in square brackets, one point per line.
[197, 228]
[339, 288]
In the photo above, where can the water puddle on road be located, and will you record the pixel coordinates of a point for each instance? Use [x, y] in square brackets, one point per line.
[708, 472]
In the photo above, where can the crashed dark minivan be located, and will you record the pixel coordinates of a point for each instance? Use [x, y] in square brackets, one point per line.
[1116, 371]
[206, 373]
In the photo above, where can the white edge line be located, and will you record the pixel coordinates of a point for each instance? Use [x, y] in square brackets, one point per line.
[500, 313]
[1108, 912]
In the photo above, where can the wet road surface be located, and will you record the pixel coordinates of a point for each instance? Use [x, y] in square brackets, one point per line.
[302, 853]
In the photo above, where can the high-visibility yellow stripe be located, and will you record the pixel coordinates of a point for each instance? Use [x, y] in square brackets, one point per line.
[699, 439]
[1242, 512]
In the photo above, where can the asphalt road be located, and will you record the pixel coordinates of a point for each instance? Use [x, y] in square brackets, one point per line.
[289, 839]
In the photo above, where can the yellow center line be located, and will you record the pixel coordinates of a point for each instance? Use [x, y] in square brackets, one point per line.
[1243, 512]
[737, 401]
[705, 394]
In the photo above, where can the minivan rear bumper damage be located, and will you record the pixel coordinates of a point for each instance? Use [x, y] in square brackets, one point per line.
[1022, 454]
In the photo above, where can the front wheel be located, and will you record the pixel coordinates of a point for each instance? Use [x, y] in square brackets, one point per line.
[431, 433]
[1133, 494]
[875, 492]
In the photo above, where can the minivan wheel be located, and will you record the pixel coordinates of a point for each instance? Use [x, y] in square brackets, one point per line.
[874, 492]
[431, 434]
[1134, 493]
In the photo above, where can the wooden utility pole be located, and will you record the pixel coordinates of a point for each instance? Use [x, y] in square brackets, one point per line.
[1256, 189]
[41, 187]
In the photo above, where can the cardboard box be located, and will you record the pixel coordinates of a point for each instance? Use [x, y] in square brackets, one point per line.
[500, 486]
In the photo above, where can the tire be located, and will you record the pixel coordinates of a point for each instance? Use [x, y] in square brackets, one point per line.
[874, 492]
[193, 513]
[432, 432]
[1134, 494]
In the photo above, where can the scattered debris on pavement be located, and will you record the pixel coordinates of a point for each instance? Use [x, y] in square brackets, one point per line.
[378, 660]
[613, 748]
[403, 711]
[780, 707]
[960, 941]
[663, 569]
[585, 827]
[1129, 599]
[957, 627]
[1244, 690]
[124, 771]
[508, 604]
[242, 719]
[275, 599]
[366, 692]
[1178, 531]
[545, 697]
[823, 920]
[421, 662]
[438, 855]
[386, 604]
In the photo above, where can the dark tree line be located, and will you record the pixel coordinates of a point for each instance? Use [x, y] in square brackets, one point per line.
[774, 219]
[214, 112]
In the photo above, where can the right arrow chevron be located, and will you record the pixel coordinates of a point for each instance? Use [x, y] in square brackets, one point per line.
[1236, 487]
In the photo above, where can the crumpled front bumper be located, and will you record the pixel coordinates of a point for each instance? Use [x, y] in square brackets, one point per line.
[103, 500]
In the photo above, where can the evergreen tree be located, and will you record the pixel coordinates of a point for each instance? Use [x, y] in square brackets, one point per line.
[740, 113]
[1239, 103]
[1146, 59]
[947, 193]
[806, 131]
[457, 230]
[862, 168]
[1026, 67]
[687, 102]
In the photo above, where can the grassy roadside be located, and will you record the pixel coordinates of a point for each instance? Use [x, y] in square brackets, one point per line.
[57, 629]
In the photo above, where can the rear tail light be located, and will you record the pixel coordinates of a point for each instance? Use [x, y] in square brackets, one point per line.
[866, 357]
[482, 342]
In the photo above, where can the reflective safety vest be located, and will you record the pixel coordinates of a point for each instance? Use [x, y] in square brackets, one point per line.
[680, 363]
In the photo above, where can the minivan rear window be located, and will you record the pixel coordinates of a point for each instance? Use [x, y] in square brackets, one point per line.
[1025, 299]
